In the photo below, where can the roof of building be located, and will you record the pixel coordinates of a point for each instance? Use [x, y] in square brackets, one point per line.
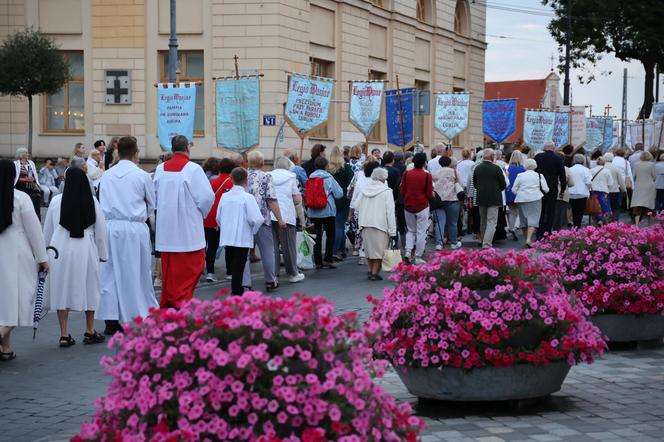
[529, 95]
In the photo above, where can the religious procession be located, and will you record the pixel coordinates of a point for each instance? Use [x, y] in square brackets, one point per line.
[335, 250]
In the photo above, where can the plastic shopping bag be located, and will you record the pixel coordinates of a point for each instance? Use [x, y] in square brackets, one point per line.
[391, 258]
[305, 250]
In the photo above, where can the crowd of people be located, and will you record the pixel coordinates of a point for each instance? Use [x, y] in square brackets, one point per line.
[119, 231]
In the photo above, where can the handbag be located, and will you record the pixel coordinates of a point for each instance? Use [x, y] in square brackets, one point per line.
[436, 202]
[593, 208]
[391, 257]
[460, 191]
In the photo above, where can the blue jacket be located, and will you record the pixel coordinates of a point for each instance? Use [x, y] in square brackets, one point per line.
[332, 189]
[513, 172]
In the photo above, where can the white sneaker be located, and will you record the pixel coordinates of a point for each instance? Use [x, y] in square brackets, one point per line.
[419, 261]
[297, 278]
[456, 246]
[228, 278]
[210, 278]
[157, 282]
[439, 247]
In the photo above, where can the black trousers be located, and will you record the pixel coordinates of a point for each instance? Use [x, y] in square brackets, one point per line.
[400, 216]
[35, 196]
[237, 260]
[578, 207]
[548, 217]
[212, 244]
[227, 258]
[326, 224]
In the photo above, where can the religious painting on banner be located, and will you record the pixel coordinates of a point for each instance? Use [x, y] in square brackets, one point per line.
[238, 112]
[538, 128]
[451, 113]
[395, 137]
[366, 98]
[561, 129]
[308, 104]
[658, 111]
[499, 119]
[176, 107]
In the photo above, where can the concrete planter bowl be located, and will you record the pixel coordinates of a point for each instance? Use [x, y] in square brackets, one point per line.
[629, 328]
[520, 381]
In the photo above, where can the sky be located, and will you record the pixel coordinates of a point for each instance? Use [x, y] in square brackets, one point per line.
[520, 48]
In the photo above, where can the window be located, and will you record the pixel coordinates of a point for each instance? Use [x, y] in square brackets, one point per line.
[190, 65]
[421, 126]
[461, 18]
[376, 134]
[322, 68]
[64, 111]
[423, 10]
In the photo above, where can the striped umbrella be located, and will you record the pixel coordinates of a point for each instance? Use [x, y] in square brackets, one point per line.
[39, 298]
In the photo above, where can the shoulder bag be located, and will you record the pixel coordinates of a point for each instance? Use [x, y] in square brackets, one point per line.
[593, 208]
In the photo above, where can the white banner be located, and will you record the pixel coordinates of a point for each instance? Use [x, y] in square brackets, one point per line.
[366, 98]
[452, 113]
[654, 134]
[577, 124]
[538, 128]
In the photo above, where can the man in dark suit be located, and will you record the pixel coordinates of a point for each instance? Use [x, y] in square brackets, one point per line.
[552, 167]
[489, 183]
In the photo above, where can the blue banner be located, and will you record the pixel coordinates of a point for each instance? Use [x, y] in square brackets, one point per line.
[561, 129]
[452, 113]
[599, 133]
[499, 119]
[366, 98]
[308, 103]
[538, 128]
[238, 113]
[394, 136]
[176, 107]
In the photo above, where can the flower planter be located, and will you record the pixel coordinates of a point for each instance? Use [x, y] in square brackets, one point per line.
[520, 381]
[628, 328]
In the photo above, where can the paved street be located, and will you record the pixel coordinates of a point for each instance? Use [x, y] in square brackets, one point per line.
[48, 391]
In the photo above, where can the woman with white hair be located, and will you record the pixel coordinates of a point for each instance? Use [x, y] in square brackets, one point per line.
[288, 195]
[529, 188]
[580, 191]
[376, 219]
[26, 171]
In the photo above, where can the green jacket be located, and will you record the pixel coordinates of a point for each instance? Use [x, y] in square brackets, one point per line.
[489, 184]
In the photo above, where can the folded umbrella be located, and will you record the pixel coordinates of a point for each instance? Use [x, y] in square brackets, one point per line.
[39, 296]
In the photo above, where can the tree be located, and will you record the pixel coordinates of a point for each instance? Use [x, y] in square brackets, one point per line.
[31, 64]
[631, 30]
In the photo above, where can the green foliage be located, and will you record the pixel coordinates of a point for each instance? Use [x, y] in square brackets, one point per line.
[31, 64]
[631, 30]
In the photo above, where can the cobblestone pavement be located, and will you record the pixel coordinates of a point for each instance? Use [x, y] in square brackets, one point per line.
[47, 391]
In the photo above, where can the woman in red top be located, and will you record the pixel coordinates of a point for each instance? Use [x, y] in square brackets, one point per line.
[417, 190]
[220, 185]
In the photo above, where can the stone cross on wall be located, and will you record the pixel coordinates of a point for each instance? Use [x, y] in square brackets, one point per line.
[118, 87]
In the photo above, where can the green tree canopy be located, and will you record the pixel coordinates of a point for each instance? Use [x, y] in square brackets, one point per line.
[31, 64]
[631, 30]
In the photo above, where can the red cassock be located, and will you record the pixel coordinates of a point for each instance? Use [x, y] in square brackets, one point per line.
[180, 273]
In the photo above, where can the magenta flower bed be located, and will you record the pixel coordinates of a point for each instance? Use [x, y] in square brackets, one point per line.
[247, 368]
[617, 268]
[474, 309]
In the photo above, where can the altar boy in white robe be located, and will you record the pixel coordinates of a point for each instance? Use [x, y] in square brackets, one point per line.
[239, 219]
[184, 198]
[127, 199]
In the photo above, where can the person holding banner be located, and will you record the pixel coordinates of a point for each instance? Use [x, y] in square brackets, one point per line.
[184, 198]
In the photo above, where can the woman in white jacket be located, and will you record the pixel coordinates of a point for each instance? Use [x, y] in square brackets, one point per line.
[580, 191]
[377, 220]
[529, 188]
[288, 195]
[601, 183]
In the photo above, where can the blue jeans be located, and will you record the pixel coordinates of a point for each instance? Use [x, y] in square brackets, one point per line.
[340, 231]
[447, 217]
[605, 204]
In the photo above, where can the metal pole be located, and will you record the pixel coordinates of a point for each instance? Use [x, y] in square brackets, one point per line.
[172, 48]
[623, 115]
[657, 83]
[568, 45]
[403, 135]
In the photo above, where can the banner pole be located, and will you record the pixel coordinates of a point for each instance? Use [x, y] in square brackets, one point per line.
[403, 135]
[659, 140]
[237, 69]
[301, 147]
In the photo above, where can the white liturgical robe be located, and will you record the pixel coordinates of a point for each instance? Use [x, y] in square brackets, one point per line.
[127, 200]
[239, 218]
[184, 198]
